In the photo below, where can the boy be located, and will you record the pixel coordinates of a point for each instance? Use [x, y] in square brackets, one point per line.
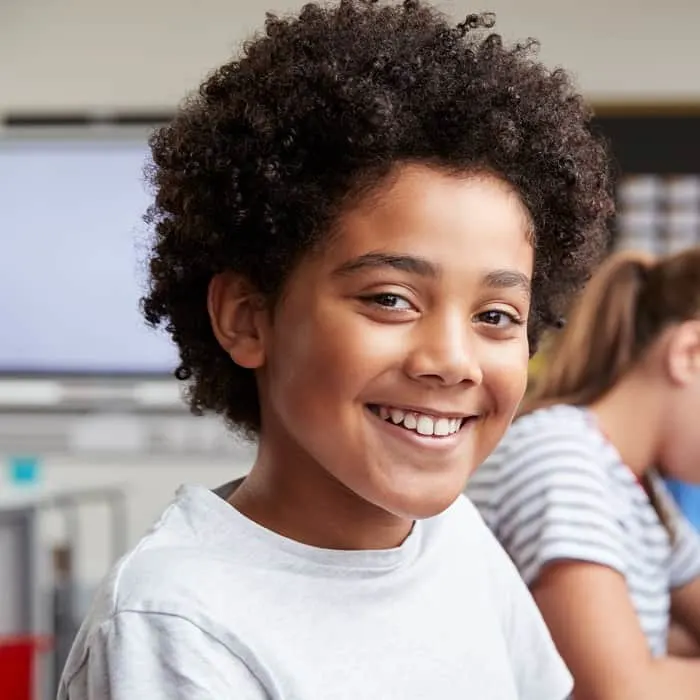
[362, 226]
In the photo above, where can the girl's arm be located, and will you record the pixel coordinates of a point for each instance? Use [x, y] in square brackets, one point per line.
[684, 636]
[597, 632]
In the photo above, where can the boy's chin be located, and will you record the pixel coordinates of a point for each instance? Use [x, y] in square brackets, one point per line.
[422, 506]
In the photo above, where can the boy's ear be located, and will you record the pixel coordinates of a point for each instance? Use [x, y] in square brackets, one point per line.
[683, 359]
[238, 314]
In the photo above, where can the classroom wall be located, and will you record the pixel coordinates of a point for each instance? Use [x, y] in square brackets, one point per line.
[135, 55]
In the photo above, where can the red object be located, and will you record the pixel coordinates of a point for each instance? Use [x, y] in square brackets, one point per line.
[17, 665]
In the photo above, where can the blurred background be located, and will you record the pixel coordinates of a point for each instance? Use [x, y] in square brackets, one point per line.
[94, 439]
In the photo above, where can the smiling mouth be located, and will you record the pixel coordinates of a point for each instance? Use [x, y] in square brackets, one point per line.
[421, 423]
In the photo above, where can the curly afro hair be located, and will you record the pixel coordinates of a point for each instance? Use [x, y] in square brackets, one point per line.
[254, 168]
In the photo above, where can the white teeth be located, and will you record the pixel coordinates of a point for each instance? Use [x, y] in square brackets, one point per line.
[442, 426]
[410, 421]
[397, 415]
[423, 424]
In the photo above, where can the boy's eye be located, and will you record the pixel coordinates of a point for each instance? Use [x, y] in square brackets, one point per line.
[499, 319]
[390, 301]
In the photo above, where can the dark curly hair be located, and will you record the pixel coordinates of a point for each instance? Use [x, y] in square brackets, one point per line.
[254, 168]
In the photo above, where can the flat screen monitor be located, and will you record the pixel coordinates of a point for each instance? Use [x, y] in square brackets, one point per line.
[72, 263]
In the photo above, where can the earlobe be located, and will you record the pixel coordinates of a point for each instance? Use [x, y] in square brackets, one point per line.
[684, 353]
[236, 312]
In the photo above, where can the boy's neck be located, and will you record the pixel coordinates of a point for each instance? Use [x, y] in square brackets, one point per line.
[308, 505]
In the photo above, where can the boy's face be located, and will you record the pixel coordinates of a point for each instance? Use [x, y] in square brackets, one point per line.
[398, 354]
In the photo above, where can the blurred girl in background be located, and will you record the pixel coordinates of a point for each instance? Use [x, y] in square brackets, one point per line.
[575, 491]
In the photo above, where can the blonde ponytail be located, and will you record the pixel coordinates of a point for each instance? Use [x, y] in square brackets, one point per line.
[600, 340]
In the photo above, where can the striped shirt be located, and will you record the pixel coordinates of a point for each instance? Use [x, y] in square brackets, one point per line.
[556, 489]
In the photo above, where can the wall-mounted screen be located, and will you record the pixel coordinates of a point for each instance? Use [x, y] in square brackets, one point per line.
[72, 263]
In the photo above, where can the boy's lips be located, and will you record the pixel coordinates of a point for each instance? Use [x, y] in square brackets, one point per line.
[433, 411]
[439, 429]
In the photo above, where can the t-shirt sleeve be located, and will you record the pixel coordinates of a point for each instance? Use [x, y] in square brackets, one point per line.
[538, 670]
[159, 657]
[685, 553]
[552, 503]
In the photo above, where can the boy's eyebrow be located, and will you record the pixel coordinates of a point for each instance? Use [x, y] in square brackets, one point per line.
[496, 279]
[509, 279]
[405, 263]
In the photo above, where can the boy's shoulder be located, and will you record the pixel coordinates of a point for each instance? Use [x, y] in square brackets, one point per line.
[179, 565]
[201, 554]
[178, 571]
[467, 533]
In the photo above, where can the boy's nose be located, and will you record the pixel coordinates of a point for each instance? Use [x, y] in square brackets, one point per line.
[444, 353]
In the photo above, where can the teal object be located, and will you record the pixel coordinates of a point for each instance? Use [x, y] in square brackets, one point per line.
[687, 496]
[24, 470]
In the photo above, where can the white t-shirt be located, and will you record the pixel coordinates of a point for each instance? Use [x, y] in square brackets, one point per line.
[556, 489]
[211, 606]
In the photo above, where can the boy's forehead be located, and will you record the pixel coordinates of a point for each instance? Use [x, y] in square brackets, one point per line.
[413, 191]
[436, 217]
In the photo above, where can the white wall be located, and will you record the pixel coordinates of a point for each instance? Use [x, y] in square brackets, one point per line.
[149, 53]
